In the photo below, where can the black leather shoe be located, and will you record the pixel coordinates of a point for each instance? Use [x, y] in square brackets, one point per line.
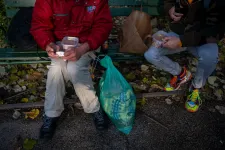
[101, 120]
[48, 128]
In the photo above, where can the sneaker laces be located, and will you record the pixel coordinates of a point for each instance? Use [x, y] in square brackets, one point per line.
[194, 96]
[99, 116]
[47, 122]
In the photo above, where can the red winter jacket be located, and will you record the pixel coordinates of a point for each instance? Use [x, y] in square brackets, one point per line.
[89, 20]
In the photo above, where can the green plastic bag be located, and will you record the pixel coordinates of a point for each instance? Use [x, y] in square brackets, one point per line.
[117, 97]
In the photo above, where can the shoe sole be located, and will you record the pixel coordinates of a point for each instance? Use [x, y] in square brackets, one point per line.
[188, 78]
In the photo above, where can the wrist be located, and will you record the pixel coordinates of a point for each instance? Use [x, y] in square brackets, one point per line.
[85, 47]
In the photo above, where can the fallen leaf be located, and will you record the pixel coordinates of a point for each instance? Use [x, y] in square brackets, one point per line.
[2, 70]
[212, 80]
[221, 109]
[116, 64]
[218, 93]
[155, 86]
[145, 80]
[34, 76]
[34, 91]
[1, 102]
[144, 68]
[163, 80]
[33, 66]
[130, 76]
[2, 84]
[78, 105]
[32, 114]
[168, 101]
[13, 70]
[24, 88]
[28, 144]
[141, 102]
[13, 78]
[212, 109]
[24, 100]
[17, 89]
[154, 78]
[16, 114]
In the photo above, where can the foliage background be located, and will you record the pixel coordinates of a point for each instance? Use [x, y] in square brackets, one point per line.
[4, 22]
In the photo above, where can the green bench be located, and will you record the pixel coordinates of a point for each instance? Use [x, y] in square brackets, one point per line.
[117, 7]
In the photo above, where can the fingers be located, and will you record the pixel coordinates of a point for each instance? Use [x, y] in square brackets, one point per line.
[167, 38]
[175, 18]
[177, 14]
[52, 55]
[70, 55]
[51, 49]
[166, 41]
[166, 44]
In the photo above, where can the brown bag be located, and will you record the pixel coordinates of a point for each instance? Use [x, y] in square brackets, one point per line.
[136, 33]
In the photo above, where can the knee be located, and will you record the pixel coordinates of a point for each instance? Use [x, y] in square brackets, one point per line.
[55, 68]
[152, 55]
[73, 70]
[209, 53]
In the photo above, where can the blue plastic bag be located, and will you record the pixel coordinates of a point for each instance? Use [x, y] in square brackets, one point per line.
[117, 97]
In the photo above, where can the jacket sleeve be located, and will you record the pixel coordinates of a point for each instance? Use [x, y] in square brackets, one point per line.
[41, 25]
[101, 27]
[214, 26]
[168, 4]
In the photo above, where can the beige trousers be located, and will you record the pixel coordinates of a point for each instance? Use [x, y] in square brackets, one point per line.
[59, 73]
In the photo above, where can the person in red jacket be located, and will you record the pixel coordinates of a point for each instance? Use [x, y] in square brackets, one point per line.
[91, 22]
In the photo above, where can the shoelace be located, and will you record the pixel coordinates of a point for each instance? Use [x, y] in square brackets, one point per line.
[195, 96]
[99, 116]
[47, 122]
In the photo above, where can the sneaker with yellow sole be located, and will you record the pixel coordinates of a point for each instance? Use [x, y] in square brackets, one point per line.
[193, 101]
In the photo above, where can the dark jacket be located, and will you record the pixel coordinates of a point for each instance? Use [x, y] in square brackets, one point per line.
[199, 22]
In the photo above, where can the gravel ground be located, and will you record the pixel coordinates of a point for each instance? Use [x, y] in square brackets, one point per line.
[185, 130]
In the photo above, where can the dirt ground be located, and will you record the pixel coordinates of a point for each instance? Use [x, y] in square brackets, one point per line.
[183, 130]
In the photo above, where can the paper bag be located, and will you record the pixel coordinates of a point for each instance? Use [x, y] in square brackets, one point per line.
[135, 36]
